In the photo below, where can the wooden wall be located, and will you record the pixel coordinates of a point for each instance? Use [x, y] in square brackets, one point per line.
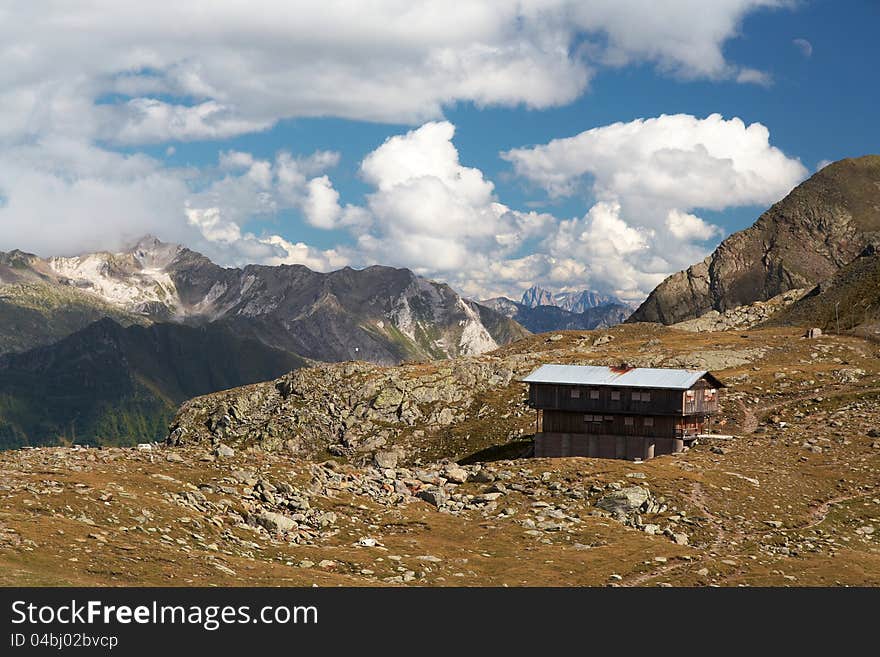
[662, 401]
[618, 425]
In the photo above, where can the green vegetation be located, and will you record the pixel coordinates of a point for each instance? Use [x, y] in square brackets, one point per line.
[33, 314]
[111, 385]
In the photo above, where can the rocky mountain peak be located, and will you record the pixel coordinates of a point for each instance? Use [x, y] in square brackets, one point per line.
[152, 253]
[800, 241]
[537, 296]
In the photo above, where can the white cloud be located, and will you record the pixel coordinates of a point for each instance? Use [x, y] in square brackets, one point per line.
[434, 215]
[321, 205]
[821, 164]
[675, 160]
[754, 76]
[234, 247]
[62, 197]
[686, 226]
[127, 73]
[649, 175]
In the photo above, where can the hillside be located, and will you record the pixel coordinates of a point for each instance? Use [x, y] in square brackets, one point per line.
[849, 299]
[792, 499]
[109, 384]
[36, 310]
[800, 241]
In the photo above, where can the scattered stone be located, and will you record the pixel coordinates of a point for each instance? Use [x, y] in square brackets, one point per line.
[434, 496]
[225, 451]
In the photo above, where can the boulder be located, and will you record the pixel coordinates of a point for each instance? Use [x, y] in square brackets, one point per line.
[434, 496]
[456, 475]
[275, 522]
[386, 458]
[624, 501]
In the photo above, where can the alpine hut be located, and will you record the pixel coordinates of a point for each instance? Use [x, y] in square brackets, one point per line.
[619, 412]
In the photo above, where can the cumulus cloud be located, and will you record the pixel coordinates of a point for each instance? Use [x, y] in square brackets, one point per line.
[678, 160]
[434, 215]
[64, 197]
[686, 226]
[232, 246]
[651, 174]
[126, 73]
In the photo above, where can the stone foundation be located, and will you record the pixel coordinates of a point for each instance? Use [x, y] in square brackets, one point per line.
[551, 445]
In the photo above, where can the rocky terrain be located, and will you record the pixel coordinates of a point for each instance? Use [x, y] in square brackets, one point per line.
[790, 497]
[822, 225]
[848, 301]
[742, 317]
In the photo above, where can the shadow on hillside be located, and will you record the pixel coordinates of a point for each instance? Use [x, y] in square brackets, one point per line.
[517, 449]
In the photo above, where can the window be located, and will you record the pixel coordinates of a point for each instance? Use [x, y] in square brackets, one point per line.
[649, 422]
[594, 394]
[636, 396]
[690, 394]
[628, 421]
[609, 418]
[615, 395]
[646, 396]
[575, 393]
[588, 418]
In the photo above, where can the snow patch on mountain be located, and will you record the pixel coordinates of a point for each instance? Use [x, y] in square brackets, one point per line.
[402, 317]
[120, 280]
[475, 339]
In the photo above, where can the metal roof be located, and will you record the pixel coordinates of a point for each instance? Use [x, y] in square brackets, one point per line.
[638, 377]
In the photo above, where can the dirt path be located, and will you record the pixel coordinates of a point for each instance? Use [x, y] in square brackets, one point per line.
[820, 512]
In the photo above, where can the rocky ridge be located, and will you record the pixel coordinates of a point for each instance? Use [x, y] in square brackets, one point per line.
[800, 241]
[378, 314]
[742, 317]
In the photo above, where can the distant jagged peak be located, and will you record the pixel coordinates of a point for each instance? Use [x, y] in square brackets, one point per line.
[577, 301]
[537, 296]
[153, 253]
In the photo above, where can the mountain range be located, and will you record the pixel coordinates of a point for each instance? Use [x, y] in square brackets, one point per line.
[544, 318]
[159, 306]
[380, 314]
[574, 302]
[540, 310]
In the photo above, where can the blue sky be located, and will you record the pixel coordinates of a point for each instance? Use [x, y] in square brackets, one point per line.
[183, 137]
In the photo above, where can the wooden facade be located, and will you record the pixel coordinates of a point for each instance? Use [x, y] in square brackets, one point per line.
[617, 420]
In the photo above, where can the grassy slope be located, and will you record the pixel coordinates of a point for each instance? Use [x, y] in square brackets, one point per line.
[852, 295]
[36, 313]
